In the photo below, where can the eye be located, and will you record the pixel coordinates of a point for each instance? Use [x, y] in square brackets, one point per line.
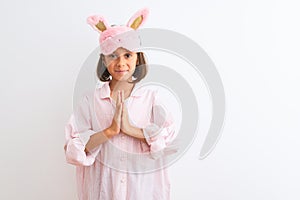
[128, 55]
[112, 56]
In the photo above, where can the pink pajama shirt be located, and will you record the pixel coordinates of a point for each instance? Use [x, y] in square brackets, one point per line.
[122, 168]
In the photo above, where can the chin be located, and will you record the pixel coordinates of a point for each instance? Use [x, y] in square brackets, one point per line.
[125, 77]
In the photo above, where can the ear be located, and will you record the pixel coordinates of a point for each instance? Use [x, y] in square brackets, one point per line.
[138, 18]
[98, 23]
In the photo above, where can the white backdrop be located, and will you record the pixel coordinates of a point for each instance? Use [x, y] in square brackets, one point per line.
[254, 44]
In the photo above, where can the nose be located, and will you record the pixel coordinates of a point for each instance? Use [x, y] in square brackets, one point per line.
[121, 61]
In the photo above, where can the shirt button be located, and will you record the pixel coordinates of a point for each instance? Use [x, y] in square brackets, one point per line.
[123, 180]
[122, 158]
[123, 137]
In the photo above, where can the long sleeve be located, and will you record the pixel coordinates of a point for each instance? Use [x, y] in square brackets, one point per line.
[160, 133]
[78, 131]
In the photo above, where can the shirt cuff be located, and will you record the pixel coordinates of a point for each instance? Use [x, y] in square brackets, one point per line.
[154, 136]
[85, 136]
[150, 132]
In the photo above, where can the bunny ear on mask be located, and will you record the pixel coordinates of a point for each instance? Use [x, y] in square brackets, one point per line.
[98, 23]
[138, 19]
[113, 37]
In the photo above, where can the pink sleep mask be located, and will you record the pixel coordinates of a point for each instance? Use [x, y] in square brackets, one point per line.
[113, 37]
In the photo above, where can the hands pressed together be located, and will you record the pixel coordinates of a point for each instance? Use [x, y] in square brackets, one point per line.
[120, 120]
[119, 123]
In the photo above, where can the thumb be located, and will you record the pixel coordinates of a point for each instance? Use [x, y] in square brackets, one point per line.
[123, 109]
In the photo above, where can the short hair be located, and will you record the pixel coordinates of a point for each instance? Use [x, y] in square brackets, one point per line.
[139, 73]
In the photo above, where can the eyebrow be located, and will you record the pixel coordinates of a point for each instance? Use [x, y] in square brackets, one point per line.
[126, 51]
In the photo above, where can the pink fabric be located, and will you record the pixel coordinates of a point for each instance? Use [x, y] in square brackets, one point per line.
[115, 169]
[94, 20]
[129, 40]
[114, 37]
[142, 12]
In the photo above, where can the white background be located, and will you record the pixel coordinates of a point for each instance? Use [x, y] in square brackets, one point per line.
[254, 44]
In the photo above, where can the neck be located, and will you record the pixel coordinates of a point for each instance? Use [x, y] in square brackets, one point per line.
[120, 85]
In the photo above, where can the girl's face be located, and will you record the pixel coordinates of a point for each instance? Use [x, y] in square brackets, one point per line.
[121, 64]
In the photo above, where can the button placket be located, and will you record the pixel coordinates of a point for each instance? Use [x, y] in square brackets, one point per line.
[123, 179]
[122, 158]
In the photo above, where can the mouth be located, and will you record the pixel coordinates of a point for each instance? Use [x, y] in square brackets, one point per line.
[121, 71]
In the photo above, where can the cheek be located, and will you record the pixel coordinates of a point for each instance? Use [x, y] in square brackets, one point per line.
[110, 68]
[134, 62]
[132, 66]
[109, 63]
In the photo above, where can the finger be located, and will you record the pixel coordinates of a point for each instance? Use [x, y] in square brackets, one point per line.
[122, 96]
[118, 97]
[124, 110]
[121, 108]
[124, 106]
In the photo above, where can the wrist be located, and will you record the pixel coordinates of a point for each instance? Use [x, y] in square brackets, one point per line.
[110, 132]
[127, 129]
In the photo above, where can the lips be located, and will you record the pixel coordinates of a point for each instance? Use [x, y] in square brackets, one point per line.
[121, 71]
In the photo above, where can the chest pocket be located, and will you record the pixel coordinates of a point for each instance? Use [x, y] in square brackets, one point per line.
[104, 120]
[103, 114]
[139, 113]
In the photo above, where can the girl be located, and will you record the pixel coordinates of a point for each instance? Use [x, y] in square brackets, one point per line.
[117, 135]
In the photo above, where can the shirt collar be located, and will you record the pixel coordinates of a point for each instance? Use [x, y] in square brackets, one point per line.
[105, 91]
